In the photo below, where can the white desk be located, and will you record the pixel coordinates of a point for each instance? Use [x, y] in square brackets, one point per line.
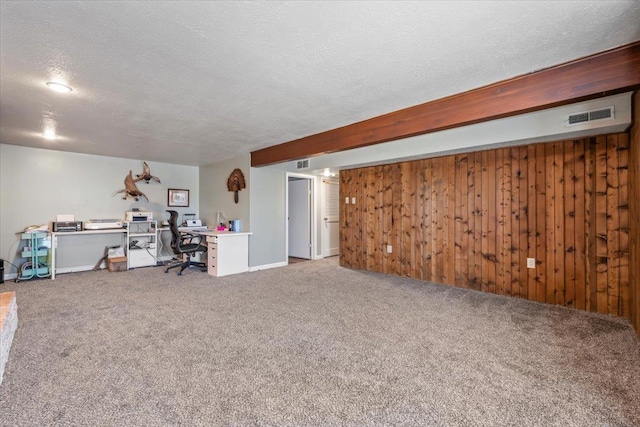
[227, 252]
[54, 246]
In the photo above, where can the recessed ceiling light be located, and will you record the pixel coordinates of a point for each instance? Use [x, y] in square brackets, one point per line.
[49, 135]
[59, 87]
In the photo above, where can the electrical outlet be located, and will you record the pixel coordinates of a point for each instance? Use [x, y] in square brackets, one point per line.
[346, 200]
[353, 200]
[531, 263]
[389, 249]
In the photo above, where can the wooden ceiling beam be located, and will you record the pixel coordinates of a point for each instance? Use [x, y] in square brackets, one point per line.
[605, 73]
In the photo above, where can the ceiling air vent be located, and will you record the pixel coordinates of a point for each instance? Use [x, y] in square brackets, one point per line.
[302, 164]
[589, 116]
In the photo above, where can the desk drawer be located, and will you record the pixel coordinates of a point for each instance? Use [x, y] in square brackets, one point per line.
[212, 259]
[212, 239]
[212, 265]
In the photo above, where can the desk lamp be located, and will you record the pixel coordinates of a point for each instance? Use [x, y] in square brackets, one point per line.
[220, 220]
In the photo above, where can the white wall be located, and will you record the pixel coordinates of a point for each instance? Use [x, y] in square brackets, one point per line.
[268, 218]
[37, 184]
[214, 195]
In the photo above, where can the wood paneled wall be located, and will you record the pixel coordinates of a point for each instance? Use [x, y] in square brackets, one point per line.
[634, 213]
[472, 220]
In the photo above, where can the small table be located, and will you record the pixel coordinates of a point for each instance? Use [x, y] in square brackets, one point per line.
[55, 236]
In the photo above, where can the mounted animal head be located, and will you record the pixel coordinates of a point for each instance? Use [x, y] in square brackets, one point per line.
[236, 183]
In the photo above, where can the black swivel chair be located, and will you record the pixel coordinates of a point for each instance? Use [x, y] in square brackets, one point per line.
[186, 245]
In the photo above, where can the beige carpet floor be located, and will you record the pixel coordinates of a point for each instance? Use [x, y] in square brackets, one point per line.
[308, 344]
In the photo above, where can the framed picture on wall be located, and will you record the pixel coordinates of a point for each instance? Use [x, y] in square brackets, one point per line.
[178, 198]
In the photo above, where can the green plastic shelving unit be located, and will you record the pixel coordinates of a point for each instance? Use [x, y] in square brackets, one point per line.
[37, 254]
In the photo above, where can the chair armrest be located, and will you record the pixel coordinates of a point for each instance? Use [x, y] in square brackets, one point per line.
[188, 238]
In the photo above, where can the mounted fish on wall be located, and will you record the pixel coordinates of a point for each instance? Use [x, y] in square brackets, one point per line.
[130, 187]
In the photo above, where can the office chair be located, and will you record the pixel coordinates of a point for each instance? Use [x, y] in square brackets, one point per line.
[186, 245]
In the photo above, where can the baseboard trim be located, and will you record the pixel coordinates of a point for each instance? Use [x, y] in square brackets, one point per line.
[10, 276]
[77, 268]
[268, 266]
[60, 270]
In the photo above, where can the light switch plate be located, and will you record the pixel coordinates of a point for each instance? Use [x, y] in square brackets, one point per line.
[346, 200]
[389, 249]
[353, 200]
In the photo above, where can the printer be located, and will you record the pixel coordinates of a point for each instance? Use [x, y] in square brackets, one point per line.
[193, 222]
[132, 216]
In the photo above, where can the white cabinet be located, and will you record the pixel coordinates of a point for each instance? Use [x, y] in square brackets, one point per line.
[142, 241]
[227, 253]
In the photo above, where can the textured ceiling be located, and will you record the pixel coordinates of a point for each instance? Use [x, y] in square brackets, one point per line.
[197, 82]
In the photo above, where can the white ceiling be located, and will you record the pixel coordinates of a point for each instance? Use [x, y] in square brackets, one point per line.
[194, 83]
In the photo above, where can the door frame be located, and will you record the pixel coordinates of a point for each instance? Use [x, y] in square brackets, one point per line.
[312, 213]
[324, 233]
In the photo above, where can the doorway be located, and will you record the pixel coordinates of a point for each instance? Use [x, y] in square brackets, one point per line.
[299, 216]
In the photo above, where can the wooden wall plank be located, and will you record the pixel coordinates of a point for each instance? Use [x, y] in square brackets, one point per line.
[532, 285]
[569, 224]
[437, 212]
[448, 198]
[440, 182]
[420, 221]
[613, 225]
[484, 221]
[523, 215]
[387, 217]
[477, 221]
[581, 228]
[357, 249]
[344, 230]
[558, 213]
[541, 223]
[634, 216]
[461, 221]
[600, 177]
[508, 201]
[591, 302]
[371, 219]
[407, 211]
[491, 254]
[623, 212]
[501, 220]
[550, 220]
[378, 224]
[471, 204]
[429, 222]
[516, 212]
[559, 222]
[396, 218]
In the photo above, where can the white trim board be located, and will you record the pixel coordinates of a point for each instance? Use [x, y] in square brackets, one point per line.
[268, 266]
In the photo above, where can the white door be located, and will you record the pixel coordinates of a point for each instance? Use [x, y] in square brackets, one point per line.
[330, 217]
[300, 218]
